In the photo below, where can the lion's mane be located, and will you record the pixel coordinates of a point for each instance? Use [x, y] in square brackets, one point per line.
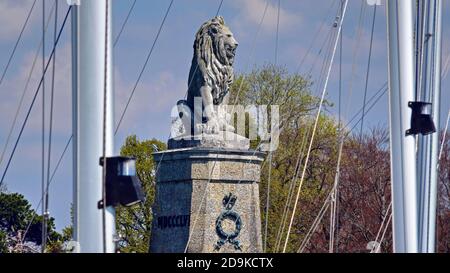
[210, 64]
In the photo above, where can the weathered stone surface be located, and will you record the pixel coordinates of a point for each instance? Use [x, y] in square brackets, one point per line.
[210, 78]
[191, 184]
[223, 139]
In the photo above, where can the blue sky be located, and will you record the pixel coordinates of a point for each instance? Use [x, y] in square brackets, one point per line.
[165, 80]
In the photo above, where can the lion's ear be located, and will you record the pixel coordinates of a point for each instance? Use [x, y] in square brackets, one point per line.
[220, 20]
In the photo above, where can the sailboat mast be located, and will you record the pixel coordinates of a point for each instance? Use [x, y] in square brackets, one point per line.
[94, 231]
[74, 44]
[403, 156]
[428, 151]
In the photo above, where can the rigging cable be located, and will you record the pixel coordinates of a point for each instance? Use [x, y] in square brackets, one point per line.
[44, 216]
[291, 191]
[315, 128]
[303, 145]
[144, 66]
[441, 151]
[271, 151]
[317, 34]
[325, 206]
[46, 193]
[353, 75]
[48, 186]
[336, 191]
[277, 32]
[377, 246]
[124, 23]
[420, 41]
[315, 224]
[105, 105]
[34, 98]
[333, 210]
[24, 92]
[11, 56]
[382, 227]
[444, 134]
[369, 64]
[328, 42]
[220, 7]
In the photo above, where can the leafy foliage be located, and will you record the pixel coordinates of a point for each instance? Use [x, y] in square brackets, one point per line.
[15, 216]
[134, 223]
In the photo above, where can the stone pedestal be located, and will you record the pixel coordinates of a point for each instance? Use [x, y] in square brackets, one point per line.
[209, 197]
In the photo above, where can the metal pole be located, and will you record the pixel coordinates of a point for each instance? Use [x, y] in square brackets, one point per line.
[89, 131]
[44, 216]
[74, 14]
[437, 120]
[429, 145]
[403, 157]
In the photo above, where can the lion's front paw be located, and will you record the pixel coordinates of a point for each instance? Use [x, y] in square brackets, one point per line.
[212, 127]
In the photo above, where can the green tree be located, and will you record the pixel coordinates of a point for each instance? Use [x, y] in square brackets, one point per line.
[134, 223]
[273, 85]
[16, 215]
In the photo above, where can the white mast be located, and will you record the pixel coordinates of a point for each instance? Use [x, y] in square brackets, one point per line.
[88, 124]
[429, 145]
[403, 156]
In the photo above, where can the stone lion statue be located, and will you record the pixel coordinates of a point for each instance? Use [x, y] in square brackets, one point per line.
[210, 78]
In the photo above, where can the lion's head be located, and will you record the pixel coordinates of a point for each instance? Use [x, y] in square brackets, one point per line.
[214, 37]
[214, 52]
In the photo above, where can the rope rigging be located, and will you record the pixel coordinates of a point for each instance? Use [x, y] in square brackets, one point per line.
[369, 64]
[315, 128]
[328, 42]
[441, 151]
[130, 11]
[334, 214]
[143, 67]
[377, 93]
[44, 216]
[34, 98]
[13, 52]
[303, 145]
[48, 186]
[50, 135]
[327, 200]
[376, 247]
[24, 92]
[290, 192]
[271, 152]
[46, 190]
[334, 211]
[317, 34]
[105, 104]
